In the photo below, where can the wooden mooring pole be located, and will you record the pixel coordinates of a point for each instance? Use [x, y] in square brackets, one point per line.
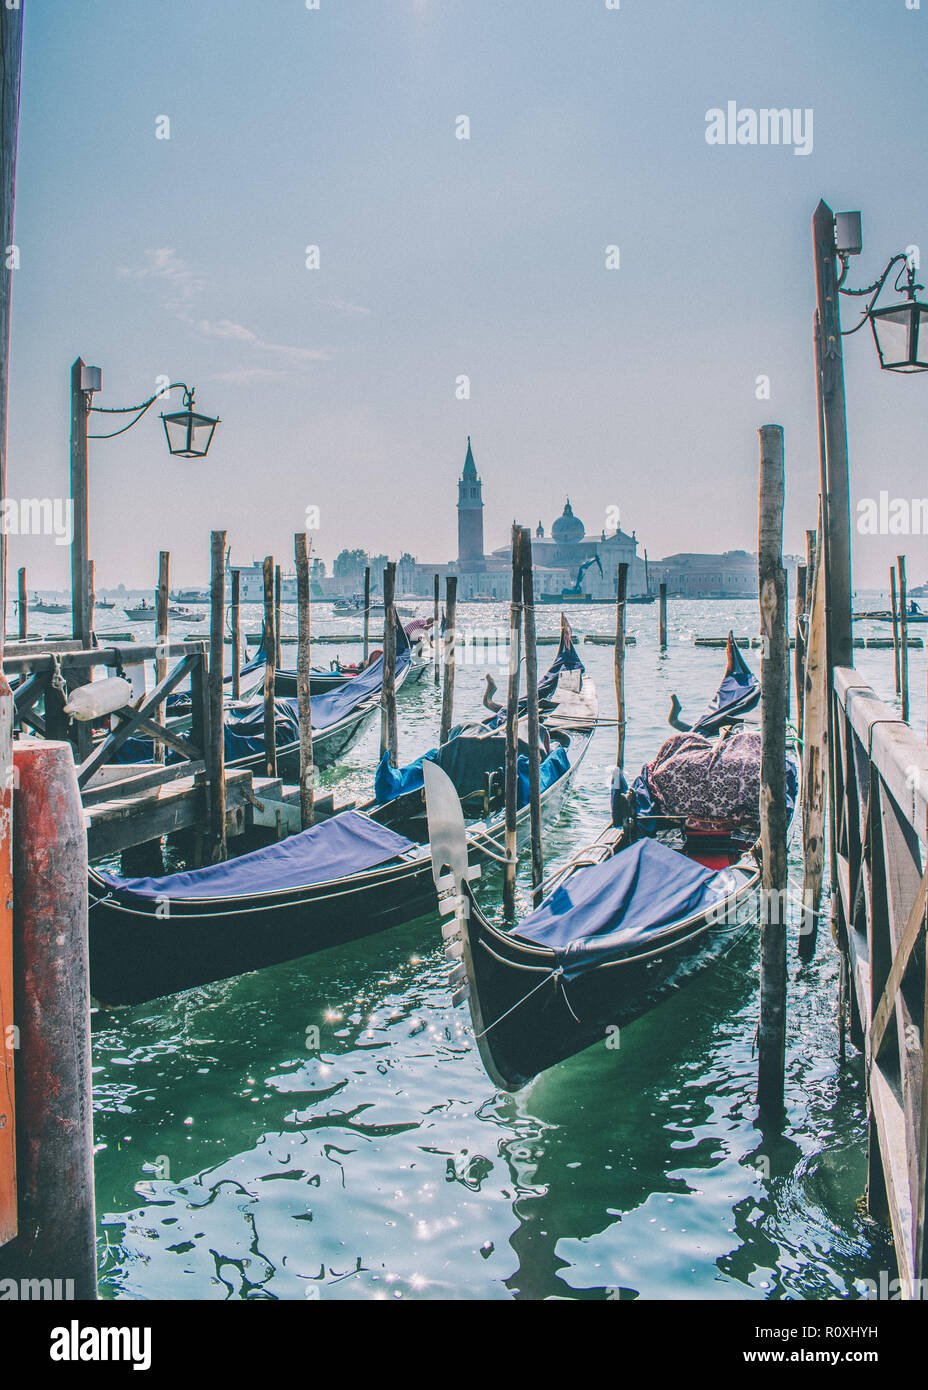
[447, 690]
[304, 678]
[436, 632]
[278, 588]
[895, 612]
[80, 586]
[662, 603]
[270, 646]
[236, 602]
[619, 661]
[388, 734]
[512, 731]
[367, 613]
[23, 607]
[161, 637]
[816, 699]
[54, 1106]
[534, 724]
[903, 638]
[215, 747]
[774, 712]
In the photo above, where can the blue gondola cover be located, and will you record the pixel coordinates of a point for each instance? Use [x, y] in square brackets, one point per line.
[616, 908]
[347, 844]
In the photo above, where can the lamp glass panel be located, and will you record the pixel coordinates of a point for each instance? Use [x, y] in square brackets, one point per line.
[891, 328]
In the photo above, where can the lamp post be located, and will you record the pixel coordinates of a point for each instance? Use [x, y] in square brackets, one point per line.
[188, 433]
[902, 346]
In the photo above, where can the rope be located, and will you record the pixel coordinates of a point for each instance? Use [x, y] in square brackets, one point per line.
[554, 975]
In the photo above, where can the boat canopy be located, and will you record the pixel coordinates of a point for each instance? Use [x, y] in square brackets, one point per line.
[619, 907]
[346, 844]
[244, 732]
[468, 759]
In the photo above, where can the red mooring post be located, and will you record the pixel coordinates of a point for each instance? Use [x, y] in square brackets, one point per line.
[54, 1129]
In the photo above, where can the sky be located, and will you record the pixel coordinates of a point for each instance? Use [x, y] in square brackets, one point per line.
[442, 258]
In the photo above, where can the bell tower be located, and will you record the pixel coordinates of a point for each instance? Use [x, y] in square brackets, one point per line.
[470, 516]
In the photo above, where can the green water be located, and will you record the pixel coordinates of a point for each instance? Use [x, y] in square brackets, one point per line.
[233, 1162]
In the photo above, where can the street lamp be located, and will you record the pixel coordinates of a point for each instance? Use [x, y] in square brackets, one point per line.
[188, 433]
[900, 331]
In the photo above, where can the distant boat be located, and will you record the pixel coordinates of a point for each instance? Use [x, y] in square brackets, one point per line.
[104, 603]
[190, 615]
[142, 612]
[191, 595]
[40, 605]
[913, 614]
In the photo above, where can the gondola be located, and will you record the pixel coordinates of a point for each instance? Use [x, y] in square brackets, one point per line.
[357, 873]
[322, 681]
[653, 901]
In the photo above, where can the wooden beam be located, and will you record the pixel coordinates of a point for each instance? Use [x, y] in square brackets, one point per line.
[236, 634]
[270, 647]
[388, 731]
[449, 645]
[304, 679]
[534, 730]
[162, 636]
[774, 677]
[831, 389]
[11, 46]
[512, 732]
[621, 607]
[215, 735]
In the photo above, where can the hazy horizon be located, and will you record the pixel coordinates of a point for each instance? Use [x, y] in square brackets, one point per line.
[442, 257]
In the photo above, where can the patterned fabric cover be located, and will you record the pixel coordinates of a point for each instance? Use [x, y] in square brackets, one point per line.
[714, 783]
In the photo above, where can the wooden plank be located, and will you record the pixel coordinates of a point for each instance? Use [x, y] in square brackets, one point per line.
[113, 826]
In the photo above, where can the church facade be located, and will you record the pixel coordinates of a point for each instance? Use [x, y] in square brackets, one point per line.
[557, 558]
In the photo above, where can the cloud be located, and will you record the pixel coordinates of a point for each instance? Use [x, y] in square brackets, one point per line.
[164, 264]
[343, 306]
[238, 333]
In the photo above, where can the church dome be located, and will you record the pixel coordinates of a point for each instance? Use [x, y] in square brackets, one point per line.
[568, 529]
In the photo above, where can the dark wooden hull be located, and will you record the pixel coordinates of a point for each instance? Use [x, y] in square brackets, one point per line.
[527, 1017]
[139, 955]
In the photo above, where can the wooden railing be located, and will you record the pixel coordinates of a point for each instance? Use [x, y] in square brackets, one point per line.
[48, 674]
[881, 830]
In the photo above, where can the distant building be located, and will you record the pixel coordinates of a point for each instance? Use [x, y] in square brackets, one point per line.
[733, 574]
[556, 559]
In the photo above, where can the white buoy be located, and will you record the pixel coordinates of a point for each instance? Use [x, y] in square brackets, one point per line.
[98, 699]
